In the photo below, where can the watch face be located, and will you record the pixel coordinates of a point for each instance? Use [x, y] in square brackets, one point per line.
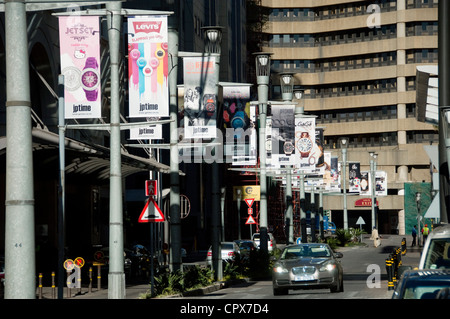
[71, 78]
[288, 147]
[304, 144]
[135, 54]
[154, 62]
[160, 53]
[147, 71]
[89, 79]
[141, 62]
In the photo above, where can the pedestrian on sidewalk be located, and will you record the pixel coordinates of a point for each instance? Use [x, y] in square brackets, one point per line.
[414, 235]
[375, 237]
[425, 232]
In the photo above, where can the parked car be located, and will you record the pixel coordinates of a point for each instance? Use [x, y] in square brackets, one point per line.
[271, 242]
[423, 284]
[307, 266]
[246, 247]
[436, 250]
[229, 249]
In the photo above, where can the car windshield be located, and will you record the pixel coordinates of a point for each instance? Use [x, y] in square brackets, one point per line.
[425, 290]
[294, 252]
[438, 255]
[227, 246]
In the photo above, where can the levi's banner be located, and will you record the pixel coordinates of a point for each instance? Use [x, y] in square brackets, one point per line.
[148, 66]
[79, 39]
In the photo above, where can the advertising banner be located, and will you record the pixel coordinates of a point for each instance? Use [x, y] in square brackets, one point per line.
[354, 176]
[380, 183]
[148, 66]
[239, 120]
[283, 135]
[150, 132]
[331, 174]
[200, 100]
[79, 39]
[306, 151]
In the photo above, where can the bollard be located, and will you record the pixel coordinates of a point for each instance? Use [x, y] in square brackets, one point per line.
[69, 284]
[99, 276]
[40, 285]
[404, 246]
[390, 272]
[53, 286]
[90, 279]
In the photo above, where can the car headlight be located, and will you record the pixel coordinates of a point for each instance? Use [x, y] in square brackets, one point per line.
[327, 267]
[280, 270]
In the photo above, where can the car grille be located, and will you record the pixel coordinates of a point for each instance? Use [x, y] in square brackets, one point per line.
[304, 270]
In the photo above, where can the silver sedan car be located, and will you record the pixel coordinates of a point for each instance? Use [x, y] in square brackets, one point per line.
[307, 266]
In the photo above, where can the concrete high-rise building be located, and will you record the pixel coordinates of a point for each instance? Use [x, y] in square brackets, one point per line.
[356, 62]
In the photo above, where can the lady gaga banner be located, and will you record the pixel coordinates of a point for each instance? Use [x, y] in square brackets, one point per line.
[148, 66]
[200, 100]
[79, 38]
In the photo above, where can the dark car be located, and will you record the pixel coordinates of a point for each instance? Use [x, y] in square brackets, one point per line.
[307, 266]
[423, 284]
[245, 247]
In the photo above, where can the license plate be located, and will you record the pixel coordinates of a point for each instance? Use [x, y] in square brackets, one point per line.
[304, 277]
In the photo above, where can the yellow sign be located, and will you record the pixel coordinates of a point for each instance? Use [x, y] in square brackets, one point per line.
[247, 191]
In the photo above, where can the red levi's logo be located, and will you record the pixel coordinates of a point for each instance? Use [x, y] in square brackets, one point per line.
[147, 26]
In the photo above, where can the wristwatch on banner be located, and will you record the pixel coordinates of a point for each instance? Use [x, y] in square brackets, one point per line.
[135, 54]
[90, 79]
[304, 145]
[71, 78]
[238, 120]
[160, 54]
[210, 104]
[288, 147]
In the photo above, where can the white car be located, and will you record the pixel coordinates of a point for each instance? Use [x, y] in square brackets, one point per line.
[271, 242]
[436, 251]
[229, 250]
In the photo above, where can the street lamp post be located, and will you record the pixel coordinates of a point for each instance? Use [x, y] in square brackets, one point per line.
[238, 198]
[373, 157]
[299, 112]
[419, 217]
[344, 145]
[213, 36]
[287, 89]
[262, 79]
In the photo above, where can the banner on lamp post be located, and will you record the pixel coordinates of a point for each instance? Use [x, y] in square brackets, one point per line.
[306, 149]
[200, 100]
[79, 38]
[148, 66]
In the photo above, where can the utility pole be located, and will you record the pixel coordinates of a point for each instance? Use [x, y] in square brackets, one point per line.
[116, 276]
[19, 220]
[175, 217]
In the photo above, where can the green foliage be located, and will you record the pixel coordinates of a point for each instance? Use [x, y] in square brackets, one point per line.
[346, 237]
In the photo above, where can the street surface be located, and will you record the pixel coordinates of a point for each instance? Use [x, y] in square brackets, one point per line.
[359, 264]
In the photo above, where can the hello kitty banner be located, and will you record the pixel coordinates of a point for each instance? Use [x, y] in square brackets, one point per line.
[79, 38]
[148, 66]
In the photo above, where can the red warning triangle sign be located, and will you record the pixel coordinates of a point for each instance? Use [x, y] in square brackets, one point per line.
[151, 213]
[249, 201]
[250, 220]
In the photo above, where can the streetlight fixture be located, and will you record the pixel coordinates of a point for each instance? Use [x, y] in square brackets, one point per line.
[343, 141]
[214, 36]
[262, 60]
[373, 157]
[287, 86]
